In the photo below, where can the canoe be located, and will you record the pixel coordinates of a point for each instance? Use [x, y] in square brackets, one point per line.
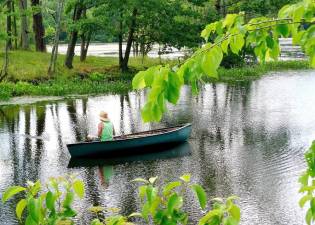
[170, 151]
[132, 142]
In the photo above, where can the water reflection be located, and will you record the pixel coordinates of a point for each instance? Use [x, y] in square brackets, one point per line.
[248, 139]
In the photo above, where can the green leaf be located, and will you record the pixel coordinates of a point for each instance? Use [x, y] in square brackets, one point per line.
[275, 51]
[11, 191]
[142, 191]
[151, 74]
[212, 216]
[50, 201]
[232, 198]
[174, 85]
[151, 112]
[154, 205]
[298, 13]
[35, 188]
[211, 61]
[313, 206]
[20, 208]
[138, 81]
[229, 20]
[283, 12]
[78, 187]
[96, 209]
[135, 214]
[96, 222]
[140, 180]
[230, 221]
[312, 58]
[201, 195]
[309, 217]
[186, 177]
[235, 212]
[170, 186]
[236, 43]
[29, 221]
[33, 209]
[174, 202]
[150, 193]
[270, 42]
[304, 199]
[153, 179]
[225, 45]
[210, 28]
[283, 29]
[69, 212]
[303, 179]
[67, 202]
[145, 211]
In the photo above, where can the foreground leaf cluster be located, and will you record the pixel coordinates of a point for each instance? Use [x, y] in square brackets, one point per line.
[160, 203]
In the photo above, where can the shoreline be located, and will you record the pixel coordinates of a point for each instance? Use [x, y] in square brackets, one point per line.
[101, 75]
[95, 88]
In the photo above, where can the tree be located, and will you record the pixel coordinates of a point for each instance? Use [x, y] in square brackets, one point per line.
[166, 21]
[8, 41]
[88, 26]
[9, 24]
[54, 52]
[24, 25]
[38, 26]
[253, 8]
[142, 23]
[14, 33]
[78, 9]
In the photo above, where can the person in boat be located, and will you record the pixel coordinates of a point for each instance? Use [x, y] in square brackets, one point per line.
[106, 129]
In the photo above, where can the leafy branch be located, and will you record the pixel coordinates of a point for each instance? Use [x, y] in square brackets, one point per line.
[230, 34]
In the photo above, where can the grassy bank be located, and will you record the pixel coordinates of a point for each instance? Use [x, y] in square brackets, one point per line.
[28, 75]
[255, 71]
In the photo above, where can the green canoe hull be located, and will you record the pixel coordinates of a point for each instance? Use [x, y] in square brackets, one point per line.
[175, 135]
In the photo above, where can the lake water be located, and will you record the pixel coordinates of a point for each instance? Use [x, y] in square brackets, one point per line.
[248, 139]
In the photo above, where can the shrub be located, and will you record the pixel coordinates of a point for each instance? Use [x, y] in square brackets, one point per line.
[160, 204]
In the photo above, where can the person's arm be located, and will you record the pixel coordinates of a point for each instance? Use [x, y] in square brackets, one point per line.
[100, 129]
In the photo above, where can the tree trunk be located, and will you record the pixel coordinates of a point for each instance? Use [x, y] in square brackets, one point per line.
[14, 27]
[4, 70]
[54, 52]
[9, 24]
[24, 26]
[137, 48]
[124, 66]
[85, 42]
[120, 41]
[217, 6]
[73, 38]
[38, 27]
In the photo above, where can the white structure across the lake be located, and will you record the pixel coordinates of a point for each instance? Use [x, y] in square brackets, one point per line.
[288, 51]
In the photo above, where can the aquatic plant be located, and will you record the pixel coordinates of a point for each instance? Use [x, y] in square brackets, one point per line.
[161, 204]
